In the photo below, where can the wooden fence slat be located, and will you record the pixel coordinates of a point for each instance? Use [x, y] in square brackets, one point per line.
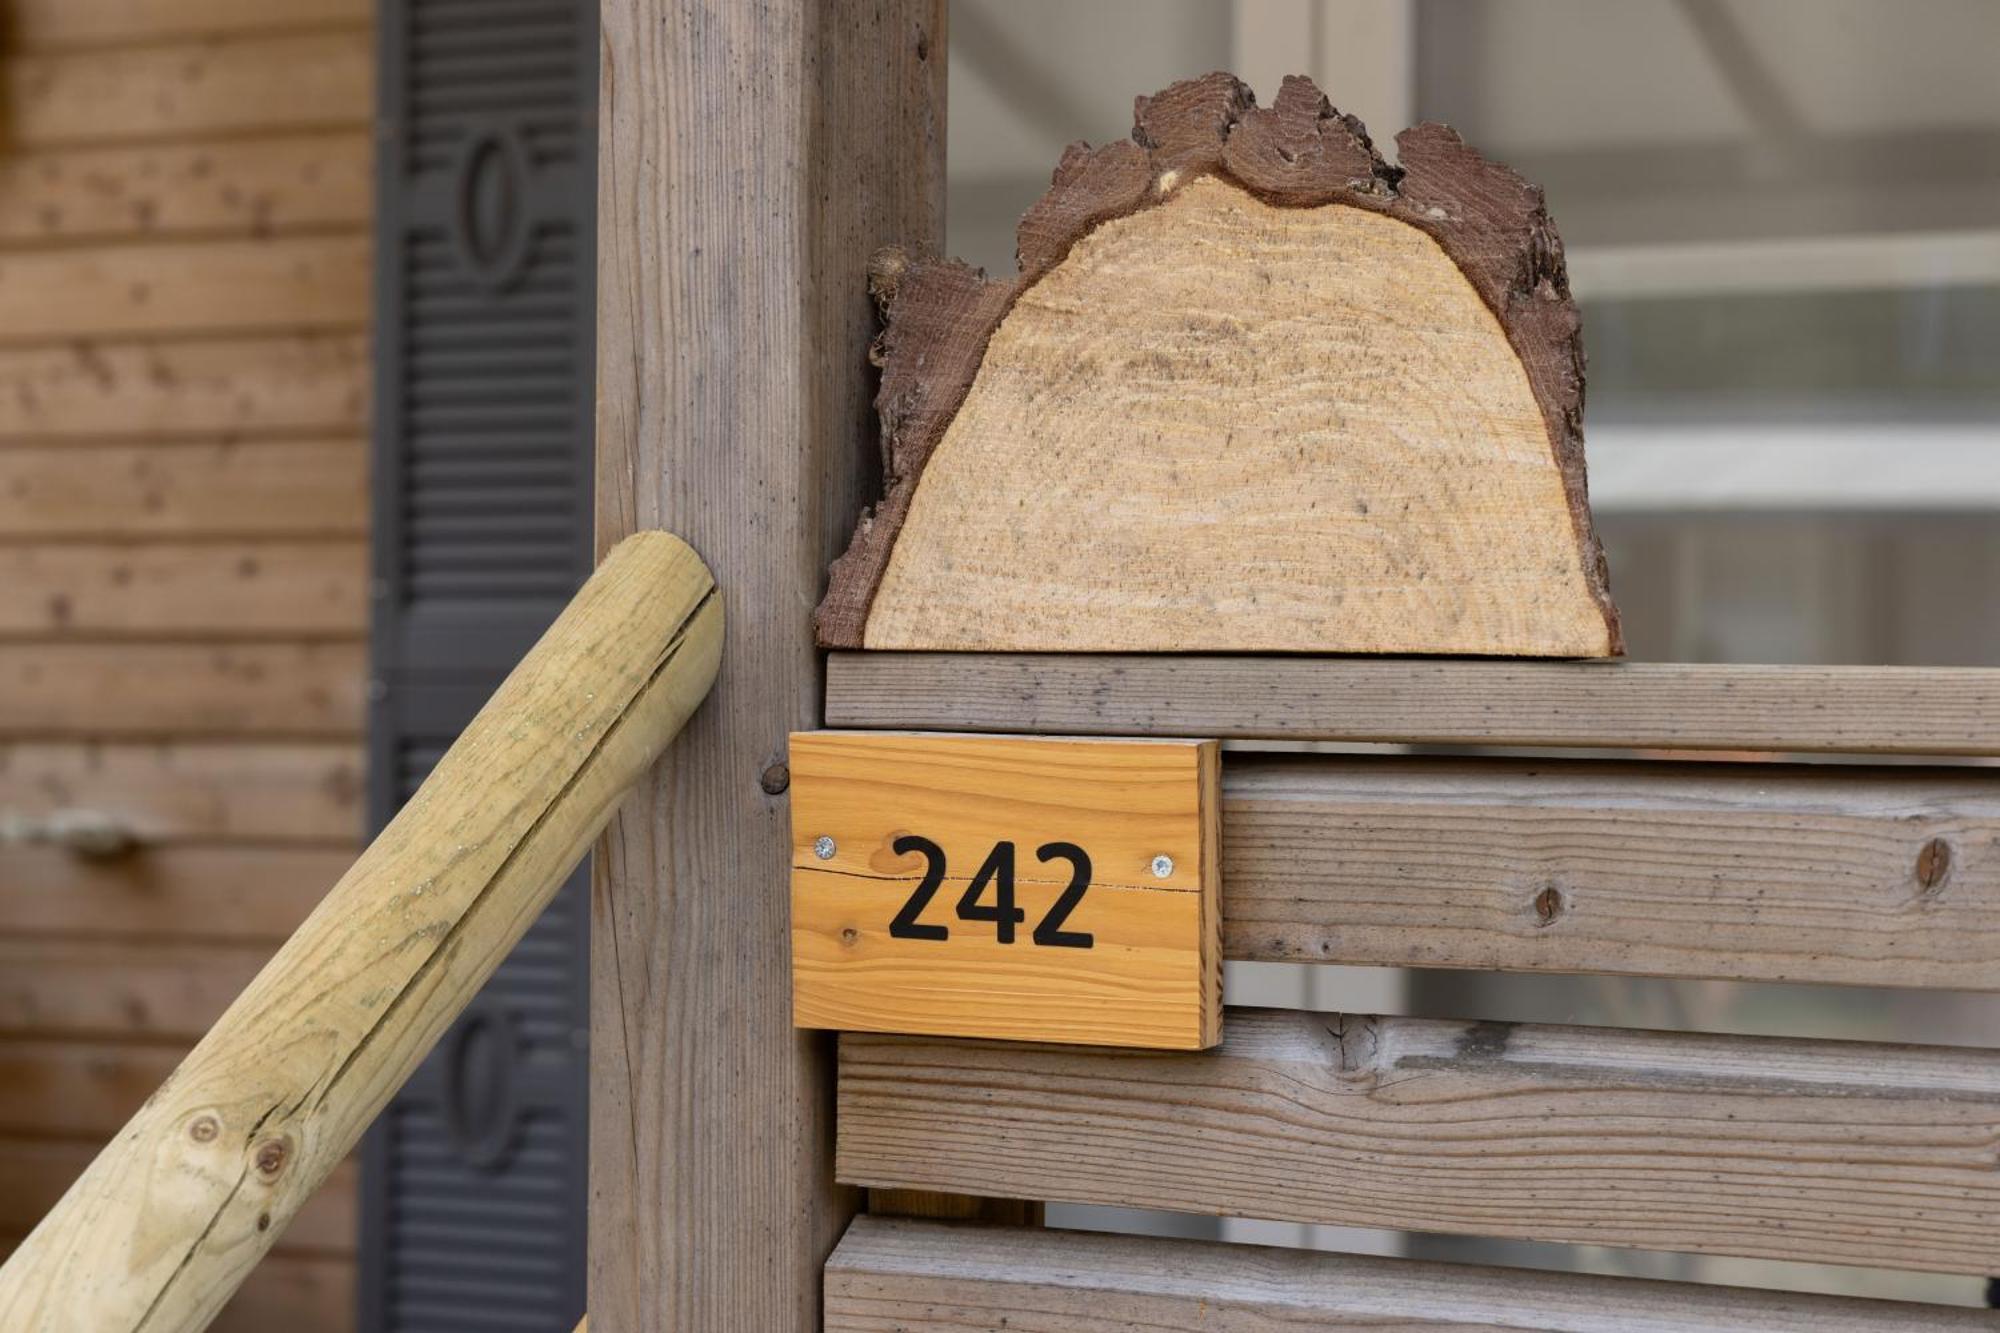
[182, 90]
[35, 25]
[84, 1089]
[123, 691]
[1829, 1152]
[206, 388]
[913, 1277]
[225, 590]
[248, 187]
[159, 991]
[1825, 873]
[34, 1173]
[268, 488]
[203, 791]
[282, 284]
[1632, 705]
[238, 894]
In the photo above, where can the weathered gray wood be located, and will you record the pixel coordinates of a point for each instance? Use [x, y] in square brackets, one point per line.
[892, 1276]
[1827, 873]
[751, 158]
[1445, 701]
[1830, 1152]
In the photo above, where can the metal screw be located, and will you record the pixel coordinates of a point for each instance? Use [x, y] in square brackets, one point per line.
[1163, 866]
[823, 847]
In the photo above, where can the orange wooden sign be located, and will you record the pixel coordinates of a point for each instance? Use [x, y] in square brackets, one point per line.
[1030, 888]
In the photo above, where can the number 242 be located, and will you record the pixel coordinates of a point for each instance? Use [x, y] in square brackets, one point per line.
[998, 871]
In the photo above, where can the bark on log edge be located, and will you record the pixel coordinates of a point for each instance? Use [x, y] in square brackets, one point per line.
[1300, 152]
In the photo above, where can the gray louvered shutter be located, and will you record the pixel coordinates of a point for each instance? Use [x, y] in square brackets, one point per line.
[474, 1181]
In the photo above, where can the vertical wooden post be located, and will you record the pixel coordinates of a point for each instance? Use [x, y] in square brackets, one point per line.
[752, 155]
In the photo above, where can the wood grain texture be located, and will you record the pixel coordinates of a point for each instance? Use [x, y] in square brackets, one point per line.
[234, 894]
[749, 159]
[1253, 389]
[170, 1217]
[216, 590]
[263, 488]
[34, 25]
[279, 284]
[1829, 1152]
[1629, 705]
[914, 1277]
[1152, 972]
[34, 1174]
[165, 691]
[209, 388]
[246, 187]
[86, 990]
[1887, 877]
[191, 89]
[243, 794]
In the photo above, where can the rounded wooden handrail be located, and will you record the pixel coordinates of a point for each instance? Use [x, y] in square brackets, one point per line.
[162, 1227]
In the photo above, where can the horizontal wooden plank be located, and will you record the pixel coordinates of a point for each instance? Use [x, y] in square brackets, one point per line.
[1829, 1152]
[238, 894]
[178, 792]
[189, 89]
[248, 187]
[122, 691]
[211, 388]
[34, 1173]
[34, 25]
[151, 992]
[214, 590]
[1624, 705]
[1825, 873]
[263, 284]
[264, 488]
[893, 1276]
[76, 1089]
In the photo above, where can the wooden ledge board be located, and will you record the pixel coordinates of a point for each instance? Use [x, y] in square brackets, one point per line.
[930, 1277]
[1821, 1151]
[1622, 705]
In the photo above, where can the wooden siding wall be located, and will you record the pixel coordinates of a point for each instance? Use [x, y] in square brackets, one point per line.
[185, 199]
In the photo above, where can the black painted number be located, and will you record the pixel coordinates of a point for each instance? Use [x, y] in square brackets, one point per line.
[996, 874]
[905, 926]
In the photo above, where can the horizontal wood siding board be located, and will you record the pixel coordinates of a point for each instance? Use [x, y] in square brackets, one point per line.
[260, 488]
[1442, 701]
[220, 389]
[253, 85]
[233, 792]
[1822, 873]
[176, 691]
[154, 992]
[217, 590]
[245, 187]
[280, 284]
[78, 1089]
[1827, 1152]
[37, 25]
[35, 1172]
[237, 894]
[895, 1276]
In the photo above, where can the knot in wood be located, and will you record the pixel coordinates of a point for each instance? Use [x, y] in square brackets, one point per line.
[1933, 864]
[204, 1129]
[1548, 905]
[271, 1156]
[775, 779]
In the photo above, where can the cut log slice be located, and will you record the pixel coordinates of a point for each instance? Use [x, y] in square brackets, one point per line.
[1253, 390]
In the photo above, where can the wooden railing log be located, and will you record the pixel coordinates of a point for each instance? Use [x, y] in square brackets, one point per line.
[171, 1216]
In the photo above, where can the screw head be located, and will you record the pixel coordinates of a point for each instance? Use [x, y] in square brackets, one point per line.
[824, 848]
[1163, 866]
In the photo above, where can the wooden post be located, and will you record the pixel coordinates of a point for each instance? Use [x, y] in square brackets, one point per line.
[163, 1226]
[752, 156]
